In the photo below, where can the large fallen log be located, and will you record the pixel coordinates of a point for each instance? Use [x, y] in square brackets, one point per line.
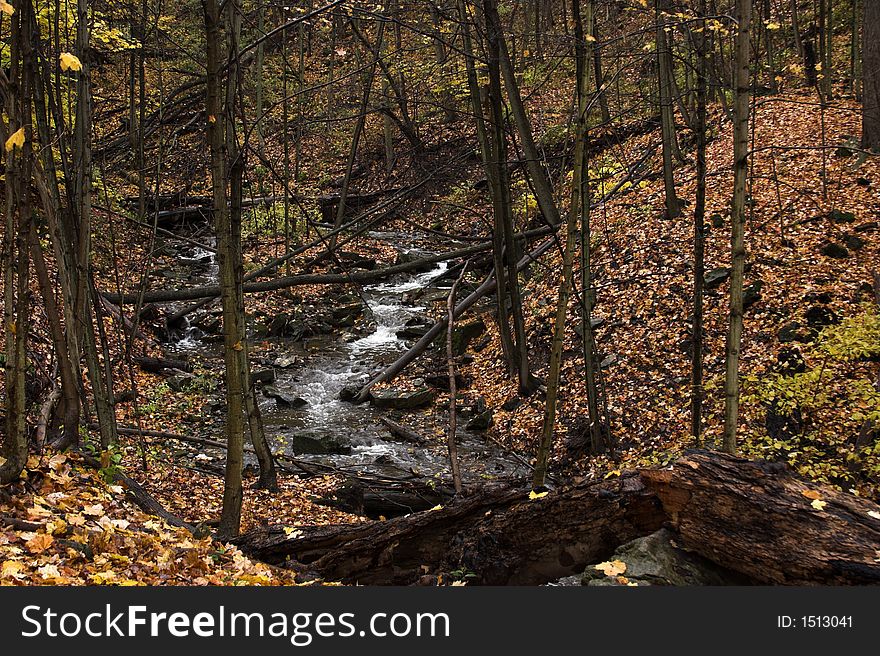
[750, 518]
[759, 520]
[502, 536]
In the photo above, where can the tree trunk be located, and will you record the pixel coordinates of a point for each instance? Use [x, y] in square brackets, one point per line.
[667, 117]
[871, 76]
[737, 223]
[582, 62]
[15, 255]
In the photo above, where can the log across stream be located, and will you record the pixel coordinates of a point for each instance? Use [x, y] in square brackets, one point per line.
[751, 518]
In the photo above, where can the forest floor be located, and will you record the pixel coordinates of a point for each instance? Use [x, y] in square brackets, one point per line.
[64, 523]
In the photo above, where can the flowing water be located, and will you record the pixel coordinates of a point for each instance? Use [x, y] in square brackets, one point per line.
[325, 365]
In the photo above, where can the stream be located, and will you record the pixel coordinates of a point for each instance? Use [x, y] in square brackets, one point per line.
[313, 371]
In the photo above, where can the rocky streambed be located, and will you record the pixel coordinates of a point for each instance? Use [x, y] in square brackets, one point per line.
[314, 355]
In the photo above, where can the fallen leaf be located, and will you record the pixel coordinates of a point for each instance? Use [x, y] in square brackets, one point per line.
[94, 511]
[819, 505]
[11, 568]
[39, 543]
[811, 494]
[437, 507]
[6, 8]
[874, 514]
[611, 568]
[49, 571]
[537, 495]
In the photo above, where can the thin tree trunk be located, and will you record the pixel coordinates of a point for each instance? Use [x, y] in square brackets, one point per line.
[667, 118]
[699, 232]
[737, 222]
[451, 446]
[871, 77]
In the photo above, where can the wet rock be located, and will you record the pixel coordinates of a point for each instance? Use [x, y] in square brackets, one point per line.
[306, 444]
[854, 242]
[595, 322]
[657, 560]
[715, 277]
[834, 250]
[414, 330]
[609, 360]
[481, 422]
[395, 399]
[284, 400]
[867, 227]
[263, 376]
[349, 393]
[346, 315]
[405, 256]
[285, 362]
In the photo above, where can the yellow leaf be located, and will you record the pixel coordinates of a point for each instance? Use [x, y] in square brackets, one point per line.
[874, 514]
[773, 26]
[70, 62]
[6, 8]
[39, 543]
[15, 140]
[437, 507]
[589, 38]
[212, 118]
[811, 494]
[611, 568]
[613, 472]
[536, 495]
[819, 505]
[237, 346]
[11, 568]
[94, 511]
[49, 572]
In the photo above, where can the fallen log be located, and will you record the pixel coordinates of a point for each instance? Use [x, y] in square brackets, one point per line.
[750, 518]
[157, 365]
[402, 432]
[357, 277]
[501, 536]
[761, 521]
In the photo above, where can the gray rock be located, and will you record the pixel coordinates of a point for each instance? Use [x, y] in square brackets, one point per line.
[349, 393]
[835, 251]
[180, 382]
[284, 400]
[714, 277]
[305, 444]
[264, 376]
[839, 216]
[657, 560]
[793, 332]
[854, 242]
[867, 227]
[463, 334]
[395, 399]
[752, 294]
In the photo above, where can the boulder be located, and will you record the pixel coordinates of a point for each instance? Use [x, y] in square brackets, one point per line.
[657, 560]
[867, 227]
[819, 316]
[396, 399]
[349, 393]
[752, 294]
